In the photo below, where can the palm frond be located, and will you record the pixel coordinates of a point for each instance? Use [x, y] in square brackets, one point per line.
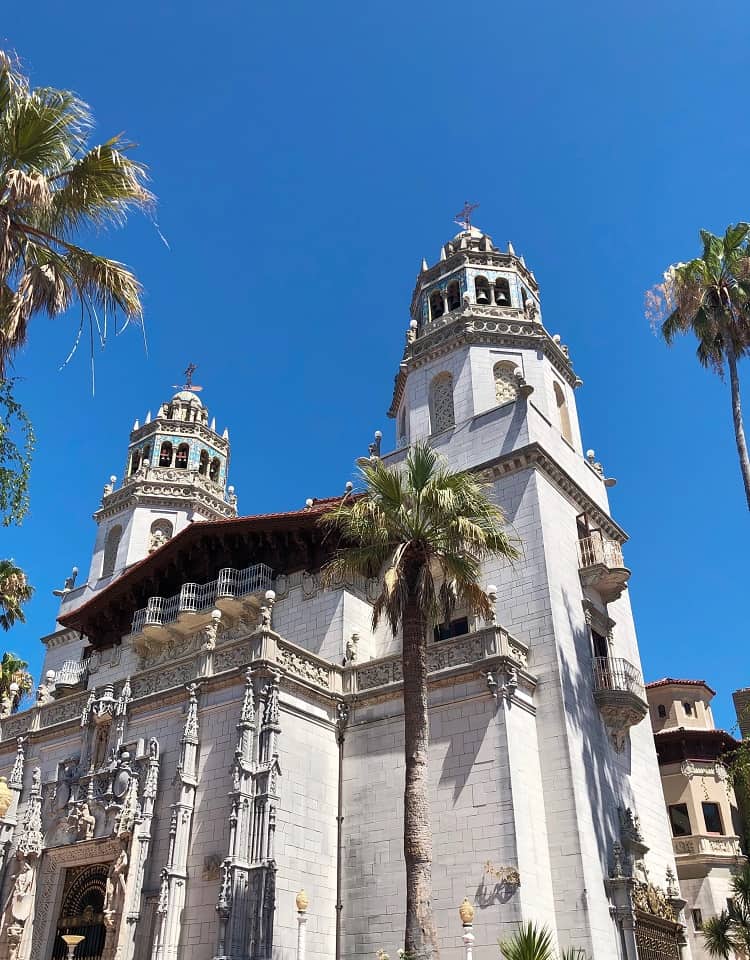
[530, 942]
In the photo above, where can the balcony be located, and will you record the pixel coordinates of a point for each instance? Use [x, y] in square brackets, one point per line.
[705, 847]
[620, 695]
[601, 566]
[232, 592]
[71, 674]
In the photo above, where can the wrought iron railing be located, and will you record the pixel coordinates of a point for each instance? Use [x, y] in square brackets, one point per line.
[598, 549]
[615, 673]
[71, 673]
[197, 597]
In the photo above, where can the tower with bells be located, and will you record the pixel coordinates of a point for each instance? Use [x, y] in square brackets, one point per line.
[486, 383]
[175, 473]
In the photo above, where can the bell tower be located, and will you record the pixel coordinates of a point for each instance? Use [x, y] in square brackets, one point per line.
[476, 342]
[175, 474]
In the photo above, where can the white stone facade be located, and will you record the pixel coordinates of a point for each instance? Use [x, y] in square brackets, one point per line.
[275, 730]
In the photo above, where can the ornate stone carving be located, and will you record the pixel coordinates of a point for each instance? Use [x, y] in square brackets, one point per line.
[32, 837]
[302, 666]
[114, 891]
[16, 774]
[652, 899]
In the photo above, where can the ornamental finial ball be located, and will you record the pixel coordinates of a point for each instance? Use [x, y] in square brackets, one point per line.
[309, 502]
[302, 901]
[6, 797]
[216, 614]
[270, 595]
[466, 912]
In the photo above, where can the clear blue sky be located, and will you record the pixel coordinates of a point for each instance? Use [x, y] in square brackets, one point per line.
[307, 155]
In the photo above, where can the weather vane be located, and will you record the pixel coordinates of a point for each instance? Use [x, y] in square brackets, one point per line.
[463, 217]
[188, 384]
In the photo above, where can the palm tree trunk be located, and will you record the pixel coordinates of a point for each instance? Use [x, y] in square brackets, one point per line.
[420, 939]
[739, 430]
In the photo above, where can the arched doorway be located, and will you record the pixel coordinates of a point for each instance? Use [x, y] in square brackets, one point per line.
[82, 911]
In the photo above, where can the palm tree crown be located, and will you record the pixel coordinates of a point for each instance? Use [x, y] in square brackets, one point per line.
[13, 671]
[710, 297]
[425, 530]
[14, 591]
[730, 931]
[52, 186]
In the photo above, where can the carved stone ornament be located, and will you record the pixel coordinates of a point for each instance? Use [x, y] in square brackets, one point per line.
[652, 899]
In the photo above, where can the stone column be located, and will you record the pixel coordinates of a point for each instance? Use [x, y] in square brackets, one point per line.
[248, 888]
[139, 851]
[174, 875]
[9, 820]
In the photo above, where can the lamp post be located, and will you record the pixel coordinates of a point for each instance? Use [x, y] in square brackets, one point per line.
[72, 940]
[302, 901]
[466, 912]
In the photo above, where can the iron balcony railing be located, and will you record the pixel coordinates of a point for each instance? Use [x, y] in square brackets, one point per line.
[597, 549]
[197, 597]
[615, 673]
[71, 673]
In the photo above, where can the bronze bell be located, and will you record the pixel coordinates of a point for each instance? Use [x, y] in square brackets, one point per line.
[483, 296]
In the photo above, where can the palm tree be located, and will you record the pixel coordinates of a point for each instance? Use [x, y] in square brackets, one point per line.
[528, 943]
[13, 671]
[710, 297]
[535, 943]
[728, 934]
[14, 591]
[426, 530]
[53, 185]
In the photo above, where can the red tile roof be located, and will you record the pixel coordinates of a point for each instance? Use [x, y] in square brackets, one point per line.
[671, 681]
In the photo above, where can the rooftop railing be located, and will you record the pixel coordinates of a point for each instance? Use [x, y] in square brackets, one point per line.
[197, 597]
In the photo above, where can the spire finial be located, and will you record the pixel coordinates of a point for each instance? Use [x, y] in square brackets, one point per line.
[188, 384]
[463, 217]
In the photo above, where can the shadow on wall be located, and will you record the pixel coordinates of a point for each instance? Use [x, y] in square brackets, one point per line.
[606, 776]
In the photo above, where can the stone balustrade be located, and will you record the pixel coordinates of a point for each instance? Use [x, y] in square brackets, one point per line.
[706, 845]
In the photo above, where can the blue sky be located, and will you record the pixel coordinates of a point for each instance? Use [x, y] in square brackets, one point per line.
[307, 156]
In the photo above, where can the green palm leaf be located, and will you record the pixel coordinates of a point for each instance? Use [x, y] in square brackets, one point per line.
[530, 942]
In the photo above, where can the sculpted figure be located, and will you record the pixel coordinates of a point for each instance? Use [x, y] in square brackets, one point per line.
[114, 888]
[21, 902]
[86, 823]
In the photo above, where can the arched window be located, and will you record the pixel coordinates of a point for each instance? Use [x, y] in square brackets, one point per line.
[402, 427]
[454, 295]
[215, 469]
[506, 385]
[111, 546]
[437, 306]
[442, 416]
[502, 292]
[562, 411]
[662, 710]
[165, 454]
[147, 454]
[135, 461]
[161, 531]
[203, 463]
[482, 290]
[181, 459]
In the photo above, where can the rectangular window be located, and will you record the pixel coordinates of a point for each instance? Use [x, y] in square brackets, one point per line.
[697, 919]
[456, 628]
[688, 708]
[680, 820]
[712, 817]
[600, 644]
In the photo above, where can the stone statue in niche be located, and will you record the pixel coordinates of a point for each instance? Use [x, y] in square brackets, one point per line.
[114, 890]
[99, 757]
[21, 893]
[85, 822]
[529, 309]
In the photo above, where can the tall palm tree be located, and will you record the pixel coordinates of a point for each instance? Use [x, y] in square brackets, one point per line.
[14, 592]
[728, 935]
[710, 297]
[54, 185]
[426, 531]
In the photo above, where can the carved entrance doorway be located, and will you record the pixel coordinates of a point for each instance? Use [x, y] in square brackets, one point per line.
[82, 911]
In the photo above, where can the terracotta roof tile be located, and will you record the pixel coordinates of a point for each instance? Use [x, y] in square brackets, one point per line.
[671, 681]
